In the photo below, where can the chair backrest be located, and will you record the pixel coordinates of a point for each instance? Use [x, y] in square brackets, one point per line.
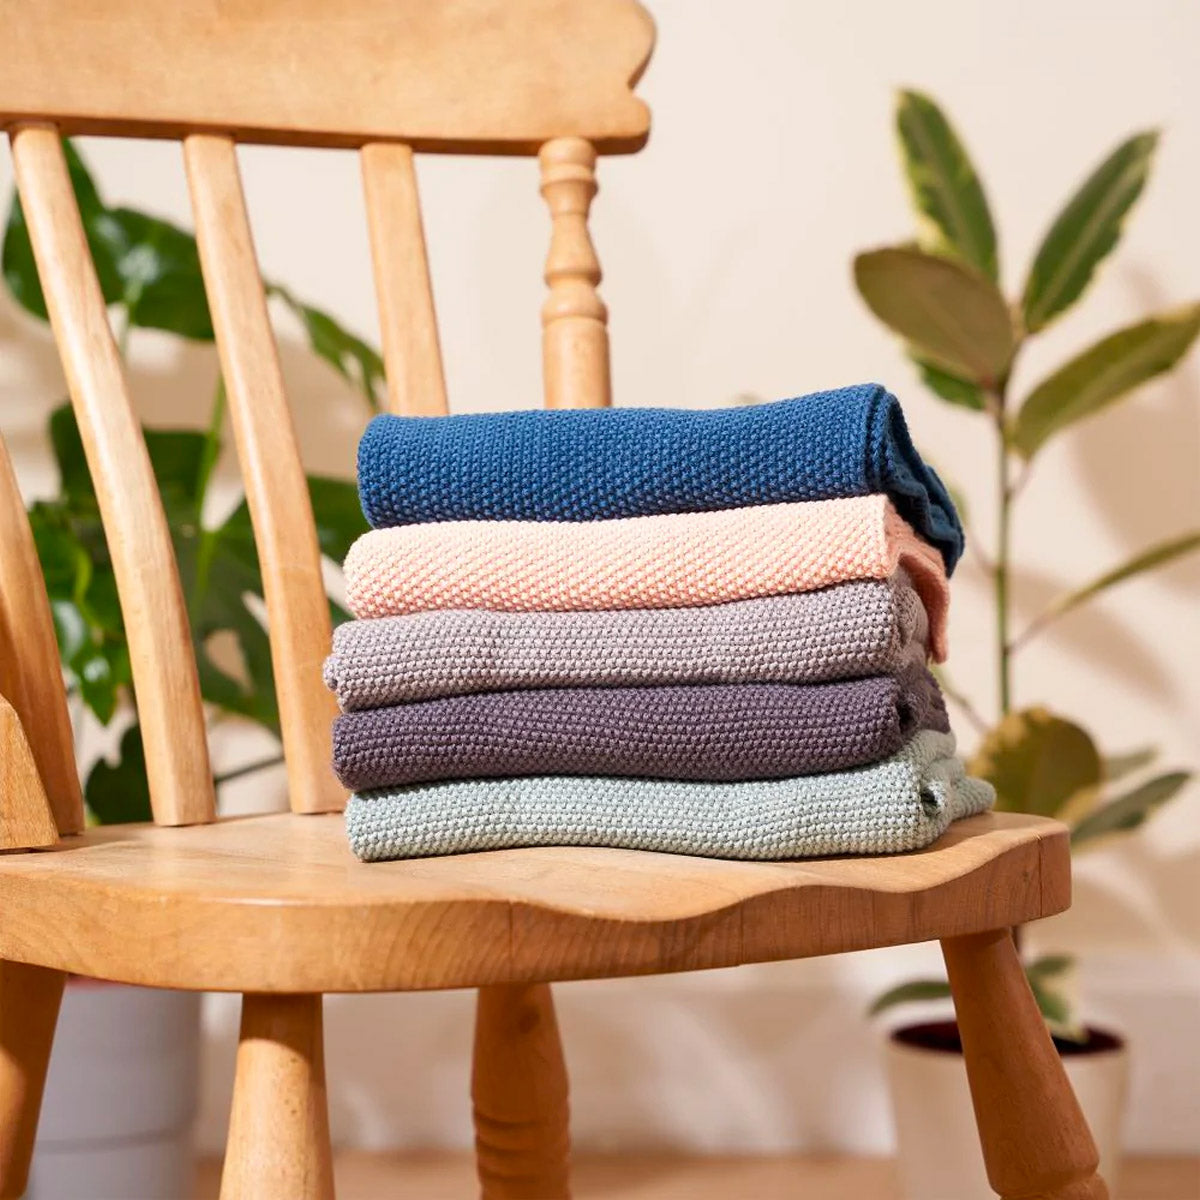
[384, 77]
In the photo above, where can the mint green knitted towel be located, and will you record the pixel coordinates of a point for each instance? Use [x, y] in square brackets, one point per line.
[902, 803]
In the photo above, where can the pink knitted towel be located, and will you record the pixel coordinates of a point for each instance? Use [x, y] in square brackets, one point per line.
[671, 561]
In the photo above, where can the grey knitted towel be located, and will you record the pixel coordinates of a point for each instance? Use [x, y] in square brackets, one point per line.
[868, 627]
[723, 731]
[900, 804]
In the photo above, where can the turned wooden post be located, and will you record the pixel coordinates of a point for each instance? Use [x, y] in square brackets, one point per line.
[519, 1089]
[1036, 1143]
[574, 319]
[278, 1145]
[29, 1000]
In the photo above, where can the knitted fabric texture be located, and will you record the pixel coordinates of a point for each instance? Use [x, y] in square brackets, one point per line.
[724, 731]
[903, 803]
[678, 560]
[597, 464]
[869, 627]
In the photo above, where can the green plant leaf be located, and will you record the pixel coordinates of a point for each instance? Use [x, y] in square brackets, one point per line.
[945, 187]
[1117, 766]
[87, 195]
[338, 515]
[218, 569]
[1156, 556]
[75, 479]
[1129, 811]
[222, 577]
[950, 387]
[91, 644]
[1049, 965]
[1086, 231]
[159, 267]
[82, 590]
[1055, 1007]
[101, 603]
[119, 792]
[148, 264]
[16, 259]
[221, 580]
[1103, 374]
[1037, 762]
[351, 357]
[99, 675]
[338, 615]
[65, 564]
[70, 629]
[178, 458]
[953, 316]
[1052, 1006]
[910, 993]
[1057, 1012]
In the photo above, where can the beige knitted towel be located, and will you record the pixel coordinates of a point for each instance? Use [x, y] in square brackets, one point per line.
[675, 560]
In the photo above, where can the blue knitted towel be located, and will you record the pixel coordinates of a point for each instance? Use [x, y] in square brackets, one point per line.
[593, 464]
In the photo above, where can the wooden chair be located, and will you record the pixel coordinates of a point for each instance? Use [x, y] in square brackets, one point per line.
[274, 906]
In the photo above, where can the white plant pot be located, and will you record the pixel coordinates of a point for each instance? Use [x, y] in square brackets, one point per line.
[938, 1150]
[120, 1097]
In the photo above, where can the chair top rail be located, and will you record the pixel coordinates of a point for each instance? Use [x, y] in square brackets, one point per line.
[457, 76]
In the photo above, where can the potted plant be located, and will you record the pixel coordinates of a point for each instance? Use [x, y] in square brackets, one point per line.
[942, 294]
[122, 1088]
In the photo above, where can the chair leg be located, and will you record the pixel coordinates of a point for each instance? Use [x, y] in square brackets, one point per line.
[1036, 1143]
[519, 1089]
[278, 1147]
[29, 1001]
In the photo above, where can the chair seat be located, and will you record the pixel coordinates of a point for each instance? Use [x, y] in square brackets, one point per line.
[277, 903]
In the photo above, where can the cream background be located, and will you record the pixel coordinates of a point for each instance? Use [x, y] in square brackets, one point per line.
[726, 247]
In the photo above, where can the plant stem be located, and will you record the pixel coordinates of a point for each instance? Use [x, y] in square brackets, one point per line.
[206, 541]
[953, 694]
[123, 332]
[212, 443]
[1005, 492]
[129, 302]
[249, 769]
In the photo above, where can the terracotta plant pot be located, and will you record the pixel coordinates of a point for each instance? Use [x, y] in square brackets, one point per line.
[937, 1146]
[120, 1097]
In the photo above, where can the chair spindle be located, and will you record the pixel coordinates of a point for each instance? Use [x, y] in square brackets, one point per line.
[165, 679]
[574, 318]
[30, 997]
[30, 675]
[284, 530]
[412, 354]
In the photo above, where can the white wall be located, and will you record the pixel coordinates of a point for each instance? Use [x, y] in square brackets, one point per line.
[726, 247]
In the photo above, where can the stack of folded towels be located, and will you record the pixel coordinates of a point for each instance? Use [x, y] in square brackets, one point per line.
[703, 632]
